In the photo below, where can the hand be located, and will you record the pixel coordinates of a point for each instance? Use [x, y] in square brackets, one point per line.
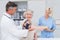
[41, 28]
[32, 28]
[47, 29]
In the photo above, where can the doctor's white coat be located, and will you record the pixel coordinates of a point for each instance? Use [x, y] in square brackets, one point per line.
[9, 31]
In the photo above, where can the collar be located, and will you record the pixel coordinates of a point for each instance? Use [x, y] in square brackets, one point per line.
[8, 15]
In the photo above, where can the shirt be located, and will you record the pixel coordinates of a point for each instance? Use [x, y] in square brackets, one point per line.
[50, 23]
[27, 24]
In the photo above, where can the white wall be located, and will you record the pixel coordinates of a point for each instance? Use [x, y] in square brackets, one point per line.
[38, 8]
[55, 4]
[57, 16]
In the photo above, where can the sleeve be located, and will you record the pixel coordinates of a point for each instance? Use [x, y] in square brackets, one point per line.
[53, 25]
[13, 30]
[22, 22]
[39, 22]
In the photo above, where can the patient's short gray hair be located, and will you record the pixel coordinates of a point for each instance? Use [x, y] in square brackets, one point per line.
[27, 12]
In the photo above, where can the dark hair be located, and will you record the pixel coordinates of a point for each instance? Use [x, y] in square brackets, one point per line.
[10, 4]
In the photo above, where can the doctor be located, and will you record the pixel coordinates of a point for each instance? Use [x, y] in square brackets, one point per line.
[9, 30]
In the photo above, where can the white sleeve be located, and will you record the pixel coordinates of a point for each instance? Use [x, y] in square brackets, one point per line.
[17, 32]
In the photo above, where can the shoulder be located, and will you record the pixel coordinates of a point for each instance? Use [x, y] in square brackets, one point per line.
[52, 18]
[41, 18]
[5, 19]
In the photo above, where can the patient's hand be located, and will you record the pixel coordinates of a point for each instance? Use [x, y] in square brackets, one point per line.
[46, 28]
[41, 28]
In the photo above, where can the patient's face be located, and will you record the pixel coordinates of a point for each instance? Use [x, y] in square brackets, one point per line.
[29, 15]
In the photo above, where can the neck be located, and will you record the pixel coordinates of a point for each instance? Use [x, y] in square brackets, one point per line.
[46, 16]
[29, 19]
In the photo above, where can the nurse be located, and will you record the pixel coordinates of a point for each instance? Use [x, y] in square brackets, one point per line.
[48, 21]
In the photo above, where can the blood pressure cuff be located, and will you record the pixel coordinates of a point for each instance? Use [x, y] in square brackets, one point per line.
[27, 26]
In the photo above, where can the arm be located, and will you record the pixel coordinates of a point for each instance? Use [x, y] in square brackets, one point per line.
[32, 28]
[53, 27]
[38, 28]
[41, 28]
[49, 30]
[13, 29]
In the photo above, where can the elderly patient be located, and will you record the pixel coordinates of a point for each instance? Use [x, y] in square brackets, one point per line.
[26, 24]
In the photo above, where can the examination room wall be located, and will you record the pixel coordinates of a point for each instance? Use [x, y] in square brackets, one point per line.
[55, 5]
[36, 6]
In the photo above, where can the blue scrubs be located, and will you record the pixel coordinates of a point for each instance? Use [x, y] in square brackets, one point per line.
[50, 23]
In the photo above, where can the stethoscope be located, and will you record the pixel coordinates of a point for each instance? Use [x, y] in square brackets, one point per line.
[7, 16]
